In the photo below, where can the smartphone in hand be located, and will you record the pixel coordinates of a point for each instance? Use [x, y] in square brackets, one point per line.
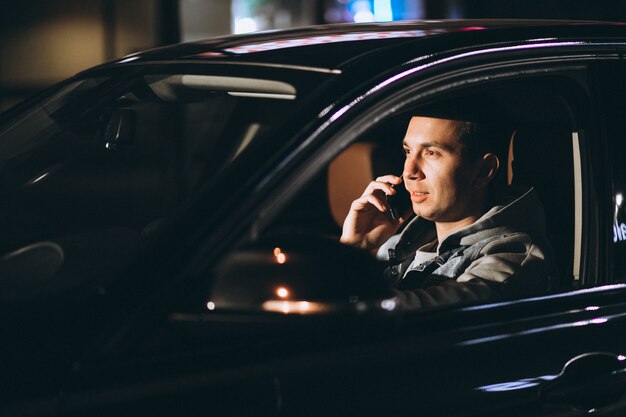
[399, 203]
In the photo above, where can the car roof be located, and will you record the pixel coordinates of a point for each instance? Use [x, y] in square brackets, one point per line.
[338, 45]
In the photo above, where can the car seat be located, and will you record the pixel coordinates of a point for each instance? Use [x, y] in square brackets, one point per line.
[542, 157]
[354, 169]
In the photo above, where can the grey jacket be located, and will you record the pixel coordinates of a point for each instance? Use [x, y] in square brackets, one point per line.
[504, 254]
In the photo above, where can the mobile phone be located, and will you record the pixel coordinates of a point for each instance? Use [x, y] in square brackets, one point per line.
[399, 203]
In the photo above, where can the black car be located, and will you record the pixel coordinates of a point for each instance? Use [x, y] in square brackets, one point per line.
[169, 228]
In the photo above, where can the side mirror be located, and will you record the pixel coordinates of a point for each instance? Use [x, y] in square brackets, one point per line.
[301, 275]
[120, 129]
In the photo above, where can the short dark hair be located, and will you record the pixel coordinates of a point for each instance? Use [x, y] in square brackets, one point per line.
[480, 138]
[485, 129]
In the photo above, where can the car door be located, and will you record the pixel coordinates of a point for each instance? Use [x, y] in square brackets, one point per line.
[557, 354]
[554, 354]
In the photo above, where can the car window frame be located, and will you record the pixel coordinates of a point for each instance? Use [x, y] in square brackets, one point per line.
[425, 86]
[610, 102]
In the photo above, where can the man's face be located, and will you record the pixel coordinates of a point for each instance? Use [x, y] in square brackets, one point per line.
[438, 176]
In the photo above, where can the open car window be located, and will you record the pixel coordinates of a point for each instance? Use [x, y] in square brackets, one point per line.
[549, 121]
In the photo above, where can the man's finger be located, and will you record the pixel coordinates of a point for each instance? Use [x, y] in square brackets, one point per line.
[391, 179]
[369, 199]
[385, 187]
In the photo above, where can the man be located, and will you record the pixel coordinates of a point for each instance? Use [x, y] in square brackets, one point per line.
[468, 241]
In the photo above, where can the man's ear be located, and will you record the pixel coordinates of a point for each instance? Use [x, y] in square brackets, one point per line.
[489, 166]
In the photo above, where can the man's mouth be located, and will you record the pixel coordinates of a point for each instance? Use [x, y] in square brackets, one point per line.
[418, 196]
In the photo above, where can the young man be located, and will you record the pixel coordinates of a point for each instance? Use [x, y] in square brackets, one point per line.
[468, 241]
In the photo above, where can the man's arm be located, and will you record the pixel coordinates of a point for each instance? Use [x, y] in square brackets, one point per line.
[446, 293]
[510, 267]
[516, 264]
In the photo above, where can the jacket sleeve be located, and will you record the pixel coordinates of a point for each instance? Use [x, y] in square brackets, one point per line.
[446, 293]
[510, 267]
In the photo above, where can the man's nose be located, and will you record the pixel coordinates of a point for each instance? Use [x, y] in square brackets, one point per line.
[412, 170]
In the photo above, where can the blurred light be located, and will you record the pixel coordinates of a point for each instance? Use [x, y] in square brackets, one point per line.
[388, 305]
[325, 39]
[245, 25]
[282, 18]
[383, 11]
[454, 11]
[510, 386]
[599, 321]
[333, 15]
[282, 292]
[39, 178]
[210, 305]
[516, 385]
[621, 358]
[129, 59]
[363, 16]
[592, 308]
[471, 28]
[211, 54]
[296, 307]
[281, 258]
[619, 198]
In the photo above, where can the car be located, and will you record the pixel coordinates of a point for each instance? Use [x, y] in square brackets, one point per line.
[170, 220]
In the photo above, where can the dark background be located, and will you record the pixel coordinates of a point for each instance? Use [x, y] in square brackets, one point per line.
[43, 42]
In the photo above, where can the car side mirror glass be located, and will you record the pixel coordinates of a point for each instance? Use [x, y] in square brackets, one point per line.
[301, 275]
[120, 129]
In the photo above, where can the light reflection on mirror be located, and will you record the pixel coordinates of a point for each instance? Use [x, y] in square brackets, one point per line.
[282, 292]
[289, 307]
[389, 304]
[280, 256]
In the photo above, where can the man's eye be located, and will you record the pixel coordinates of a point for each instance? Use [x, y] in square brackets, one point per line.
[430, 152]
[407, 151]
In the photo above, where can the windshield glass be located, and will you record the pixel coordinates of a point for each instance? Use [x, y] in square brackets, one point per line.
[124, 148]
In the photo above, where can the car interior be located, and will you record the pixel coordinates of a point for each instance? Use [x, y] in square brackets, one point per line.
[545, 116]
[79, 203]
[115, 190]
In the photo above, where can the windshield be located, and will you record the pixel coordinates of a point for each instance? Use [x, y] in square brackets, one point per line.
[124, 148]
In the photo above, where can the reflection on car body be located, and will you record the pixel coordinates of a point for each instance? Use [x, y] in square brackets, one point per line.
[170, 226]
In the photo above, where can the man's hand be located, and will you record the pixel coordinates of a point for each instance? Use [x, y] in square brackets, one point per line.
[368, 224]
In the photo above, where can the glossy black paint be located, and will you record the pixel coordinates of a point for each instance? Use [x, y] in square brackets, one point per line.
[126, 353]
